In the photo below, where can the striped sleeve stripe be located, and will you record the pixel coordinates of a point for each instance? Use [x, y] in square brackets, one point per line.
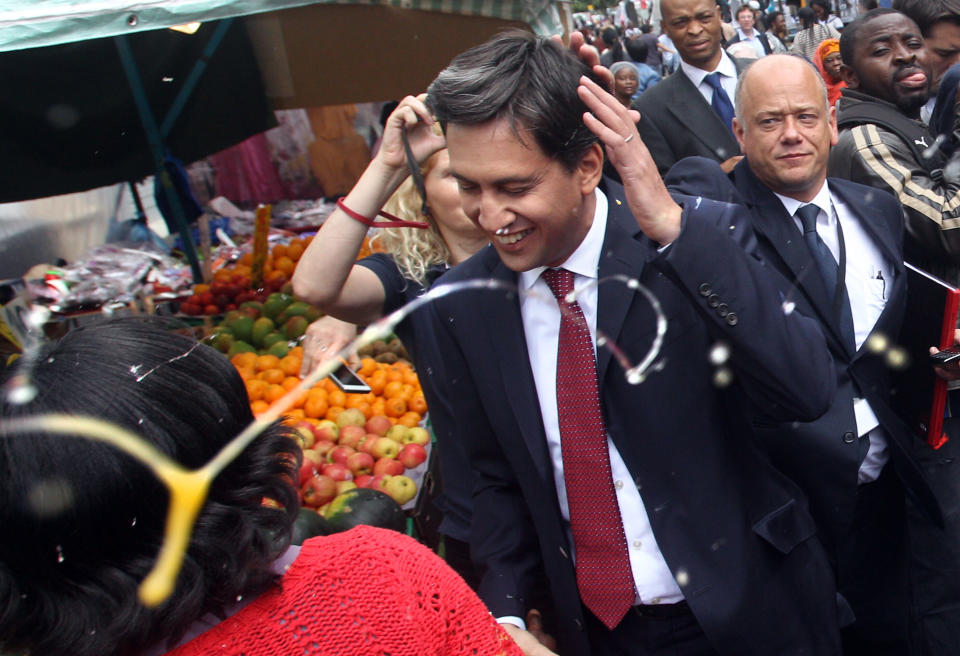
[880, 160]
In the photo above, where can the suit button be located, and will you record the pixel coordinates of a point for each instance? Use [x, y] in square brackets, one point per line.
[723, 310]
[732, 319]
[713, 301]
[705, 290]
[578, 623]
[849, 437]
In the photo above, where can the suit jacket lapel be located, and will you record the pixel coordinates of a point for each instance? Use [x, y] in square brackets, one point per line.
[509, 346]
[622, 254]
[777, 228]
[690, 108]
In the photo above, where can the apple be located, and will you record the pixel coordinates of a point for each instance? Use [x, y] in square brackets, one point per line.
[351, 416]
[303, 436]
[366, 444]
[384, 447]
[305, 429]
[397, 432]
[363, 480]
[314, 456]
[388, 467]
[400, 488]
[360, 463]
[412, 455]
[307, 469]
[319, 490]
[351, 435]
[340, 454]
[378, 425]
[326, 430]
[343, 486]
[378, 481]
[323, 448]
[337, 471]
[417, 435]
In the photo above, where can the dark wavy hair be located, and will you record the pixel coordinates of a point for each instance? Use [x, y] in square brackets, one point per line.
[83, 522]
[529, 81]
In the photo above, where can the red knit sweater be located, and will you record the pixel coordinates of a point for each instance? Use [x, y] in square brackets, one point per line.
[366, 592]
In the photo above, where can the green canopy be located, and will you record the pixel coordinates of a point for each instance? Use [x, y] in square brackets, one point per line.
[35, 23]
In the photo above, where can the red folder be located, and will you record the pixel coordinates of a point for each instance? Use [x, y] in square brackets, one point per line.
[929, 320]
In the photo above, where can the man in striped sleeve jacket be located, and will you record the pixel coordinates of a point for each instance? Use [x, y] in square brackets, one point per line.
[883, 143]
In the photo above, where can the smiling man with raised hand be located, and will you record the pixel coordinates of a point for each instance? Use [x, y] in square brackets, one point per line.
[660, 523]
[883, 143]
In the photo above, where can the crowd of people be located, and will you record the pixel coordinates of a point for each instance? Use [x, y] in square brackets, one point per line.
[757, 491]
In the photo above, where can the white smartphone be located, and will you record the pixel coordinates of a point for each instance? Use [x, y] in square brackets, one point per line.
[347, 380]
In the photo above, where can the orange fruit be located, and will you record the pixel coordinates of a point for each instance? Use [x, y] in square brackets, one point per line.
[248, 360]
[279, 251]
[337, 398]
[272, 376]
[246, 373]
[315, 407]
[394, 374]
[329, 385]
[246, 259]
[367, 367]
[256, 389]
[285, 265]
[259, 407]
[410, 378]
[417, 403]
[290, 382]
[356, 400]
[273, 393]
[296, 415]
[377, 382]
[295, 250]
[318, 392]
[393, 389]
[267, 362]
[409, 419]
[378, 407]
[333, 412]
[407, 392]
[296, 351]
[395, 407]
[290, 364]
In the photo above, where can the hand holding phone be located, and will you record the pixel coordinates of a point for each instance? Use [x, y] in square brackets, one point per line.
[947, 360]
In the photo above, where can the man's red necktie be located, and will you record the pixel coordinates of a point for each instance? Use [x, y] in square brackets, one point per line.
[604, 575]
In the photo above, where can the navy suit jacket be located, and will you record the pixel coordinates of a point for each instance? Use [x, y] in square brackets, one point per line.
[731, 526]
[676, 122]
[822, 456]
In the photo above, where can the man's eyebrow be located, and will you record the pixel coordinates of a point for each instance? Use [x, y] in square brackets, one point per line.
[502, 181]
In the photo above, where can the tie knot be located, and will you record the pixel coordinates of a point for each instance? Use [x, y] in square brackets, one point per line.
[808, 217]
[714, 81]
[560, 282]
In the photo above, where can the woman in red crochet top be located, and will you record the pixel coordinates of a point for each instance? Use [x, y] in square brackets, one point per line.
[83, 523]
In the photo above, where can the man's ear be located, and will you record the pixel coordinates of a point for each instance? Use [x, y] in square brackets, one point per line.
[590, 168]
[849, 76]
[738, 132]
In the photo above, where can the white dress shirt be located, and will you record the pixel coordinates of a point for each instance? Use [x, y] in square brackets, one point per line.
[728, 77]
[541, 323]
[753, 40]
[868, 275]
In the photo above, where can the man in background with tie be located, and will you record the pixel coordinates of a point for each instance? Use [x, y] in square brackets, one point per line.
[840, 244]
[660, 523]
[691, 112]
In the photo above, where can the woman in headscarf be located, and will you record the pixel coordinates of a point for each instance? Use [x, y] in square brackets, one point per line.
[827, 59]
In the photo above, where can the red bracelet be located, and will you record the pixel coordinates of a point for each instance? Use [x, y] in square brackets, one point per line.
[395, 222]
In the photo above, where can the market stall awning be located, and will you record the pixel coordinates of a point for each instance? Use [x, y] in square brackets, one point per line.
[32, 24]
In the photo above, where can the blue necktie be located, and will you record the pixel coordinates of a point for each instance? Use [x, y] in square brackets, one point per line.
[721, 101]
[829, 270]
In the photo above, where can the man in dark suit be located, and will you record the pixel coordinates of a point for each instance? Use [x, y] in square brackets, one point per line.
[840, 246]
[690, 112]
[660, 523]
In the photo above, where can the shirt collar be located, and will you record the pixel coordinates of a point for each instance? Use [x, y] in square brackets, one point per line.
[585, 260]
[726, 67]
[743, 35]
[821, 200]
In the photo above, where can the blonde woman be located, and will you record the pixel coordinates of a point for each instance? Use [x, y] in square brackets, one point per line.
[361, 292]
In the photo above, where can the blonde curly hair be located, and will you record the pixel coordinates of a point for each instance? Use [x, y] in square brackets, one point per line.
[414, 250]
